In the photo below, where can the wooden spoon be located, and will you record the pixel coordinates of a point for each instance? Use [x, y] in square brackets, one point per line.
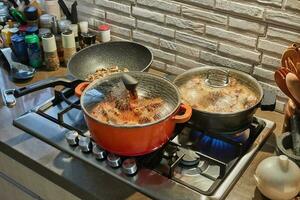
[291, 66]
[293, 85]
[293, 53]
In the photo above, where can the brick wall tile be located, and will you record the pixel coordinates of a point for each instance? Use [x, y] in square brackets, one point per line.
[161, 4]
[263, 73]
[112, 17]
[239, 8]
[195, 40]
[283, 34]
[162, 55]
[144, 13]
[174, 70]
[205, 15]
[188, 63]
[282, 18]
[246, 25]
[91, 11]
[239, 52]
[209, 3]
[226, 62]
[145, 37]
[185, 24]
[293, 4]
[120, 31]
[179, 48]
[270, 46]
[154, 28]
[113, 5]
[231, 36]
[271, 61]
[158, 65]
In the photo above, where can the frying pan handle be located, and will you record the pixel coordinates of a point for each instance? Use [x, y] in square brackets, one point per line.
[67, 81]
[80, 88]
[187, 113]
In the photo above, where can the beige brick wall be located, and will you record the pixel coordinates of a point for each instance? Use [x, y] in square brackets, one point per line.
[249, 35]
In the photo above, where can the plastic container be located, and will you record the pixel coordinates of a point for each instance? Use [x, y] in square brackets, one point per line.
[34, 50]
[50, 52]
[84, 26]
[19, 47]
[104, 33]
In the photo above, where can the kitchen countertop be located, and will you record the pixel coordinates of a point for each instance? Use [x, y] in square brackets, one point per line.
[51, 163]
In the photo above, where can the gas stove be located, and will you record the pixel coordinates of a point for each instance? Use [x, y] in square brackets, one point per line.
[192, 165]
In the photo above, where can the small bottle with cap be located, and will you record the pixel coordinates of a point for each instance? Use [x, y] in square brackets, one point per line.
[104, 33]
[31, 14]
[69, 45]
[34, 50]
[50, 52]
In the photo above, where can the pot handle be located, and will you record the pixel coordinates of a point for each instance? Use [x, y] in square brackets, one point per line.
[182, 118]
[268, 102]
[80, 88]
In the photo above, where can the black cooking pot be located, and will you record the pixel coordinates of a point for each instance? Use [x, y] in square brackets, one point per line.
[227, 122]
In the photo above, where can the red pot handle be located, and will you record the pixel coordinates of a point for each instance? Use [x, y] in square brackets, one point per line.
[185, 116]
[80, 88]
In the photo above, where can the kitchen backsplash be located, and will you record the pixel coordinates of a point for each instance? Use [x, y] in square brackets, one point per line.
[246, 35]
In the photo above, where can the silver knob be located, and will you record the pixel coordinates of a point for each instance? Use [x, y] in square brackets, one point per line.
[85, 144]
[113, 160]
[72, 138]
[129, 166]
[99, 153]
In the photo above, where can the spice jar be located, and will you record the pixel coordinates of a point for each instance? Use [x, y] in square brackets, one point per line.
[34, 50]
[104, 33]
[32, 30]
[50, 52]
[6, 36]
[68, 42]
[19, 47]
[31, 14]
[74, 28]
[46, 21]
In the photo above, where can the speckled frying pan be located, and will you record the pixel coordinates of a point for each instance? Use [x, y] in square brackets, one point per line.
[133, 56]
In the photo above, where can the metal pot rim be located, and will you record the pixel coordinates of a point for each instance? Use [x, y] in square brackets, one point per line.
[107, 78]
[207, 67]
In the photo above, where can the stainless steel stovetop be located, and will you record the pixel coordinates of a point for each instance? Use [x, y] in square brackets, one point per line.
[193, 165]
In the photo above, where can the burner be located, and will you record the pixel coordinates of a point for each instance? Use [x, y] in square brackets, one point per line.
[190, 158]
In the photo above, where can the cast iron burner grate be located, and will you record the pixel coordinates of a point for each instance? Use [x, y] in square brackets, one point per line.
[188, 159]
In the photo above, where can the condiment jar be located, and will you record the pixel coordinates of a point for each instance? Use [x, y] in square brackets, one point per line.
[84, 26]
[46, 21]
[34, 50]
[104, 33]
[277, 177]
[31, 14]
[19, 47]
[88, 39]
[50, 52]
[68, 42]
[6, 36]
[74, 28]
[64, 25]
[32, 30]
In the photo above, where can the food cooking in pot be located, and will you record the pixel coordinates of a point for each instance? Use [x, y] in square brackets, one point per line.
[105, 71]
[236, 96]
[121, 111]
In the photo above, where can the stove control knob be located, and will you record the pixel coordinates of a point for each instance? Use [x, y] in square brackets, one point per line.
[72, 138]
[99, 153]
[129, 166]
[113, 160]
[85, 144]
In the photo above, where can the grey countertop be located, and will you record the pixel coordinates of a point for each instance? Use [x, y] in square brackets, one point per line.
[73, 175]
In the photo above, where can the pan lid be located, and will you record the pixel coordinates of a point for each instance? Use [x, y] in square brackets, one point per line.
[131, 99]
